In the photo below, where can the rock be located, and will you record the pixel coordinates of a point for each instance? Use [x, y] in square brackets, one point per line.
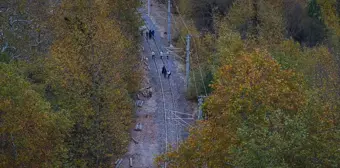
[146, 92]
[139, 96]
[138, 127]
[139, 103]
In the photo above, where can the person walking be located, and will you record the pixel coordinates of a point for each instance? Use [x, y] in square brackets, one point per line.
[153, 55]
[164, 71]
[147, 35]
[161, 54]
[150, 34]
[169, 73]
[153, 33]
[167, 55]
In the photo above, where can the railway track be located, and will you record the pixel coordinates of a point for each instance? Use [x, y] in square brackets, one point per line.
[169, 104]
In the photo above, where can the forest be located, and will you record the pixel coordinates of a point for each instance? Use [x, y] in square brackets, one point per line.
[271, 73]
[64, 100]
[270, 70]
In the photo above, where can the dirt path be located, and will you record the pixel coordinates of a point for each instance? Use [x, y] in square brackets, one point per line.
[164, 116]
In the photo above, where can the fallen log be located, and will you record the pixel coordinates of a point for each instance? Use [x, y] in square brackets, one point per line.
[118, 162]
[130, 162]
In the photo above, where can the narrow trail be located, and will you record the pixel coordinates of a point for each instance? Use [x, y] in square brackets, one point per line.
[164, 116]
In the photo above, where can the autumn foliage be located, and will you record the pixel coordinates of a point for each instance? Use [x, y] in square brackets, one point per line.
[67, 72]
[275, 98]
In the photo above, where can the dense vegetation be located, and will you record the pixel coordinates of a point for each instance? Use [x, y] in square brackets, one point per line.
[271, 68]
[275, 88]
[67, 70]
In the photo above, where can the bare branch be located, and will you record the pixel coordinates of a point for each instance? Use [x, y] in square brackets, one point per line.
[19, 20]
[4, 47]
[12, 22]
[37, 43]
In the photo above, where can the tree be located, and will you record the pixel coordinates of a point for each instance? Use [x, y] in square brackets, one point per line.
[330, 15]
[247, 92]
[24, 30]
[31, 135]
[88, 75]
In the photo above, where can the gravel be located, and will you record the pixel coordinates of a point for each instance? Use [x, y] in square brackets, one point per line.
[152, 138]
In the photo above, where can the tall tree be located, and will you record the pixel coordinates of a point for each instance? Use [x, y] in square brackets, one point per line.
[31, 135]
[89, 74]
[247, 92]
[24, 30]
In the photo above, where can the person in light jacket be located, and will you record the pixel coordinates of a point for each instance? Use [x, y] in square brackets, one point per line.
[161, 54]
[168, 73]
[153, 55]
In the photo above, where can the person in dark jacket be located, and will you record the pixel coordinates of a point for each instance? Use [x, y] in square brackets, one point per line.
[153, 33]
[164, 71]
[150, 34]
[147, 35]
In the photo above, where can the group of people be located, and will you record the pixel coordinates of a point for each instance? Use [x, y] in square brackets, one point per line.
[161, 54]
[150, 34]
[165, 72]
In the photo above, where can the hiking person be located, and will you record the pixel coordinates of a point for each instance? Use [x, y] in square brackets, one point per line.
[153, 33]
[147, 35]
[169, 73]
[164, 71]
[150, 34]
[161, 54]
[167, 55]
[153, 55]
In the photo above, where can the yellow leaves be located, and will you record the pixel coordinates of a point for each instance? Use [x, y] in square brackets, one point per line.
[27, 122]
[261, 21]
[316, 64]
[320, 67]
[94, 62]
[250, 86]
[257, 77]
[229, 45]
[240, 12]
[330, 15]
[253, 90]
